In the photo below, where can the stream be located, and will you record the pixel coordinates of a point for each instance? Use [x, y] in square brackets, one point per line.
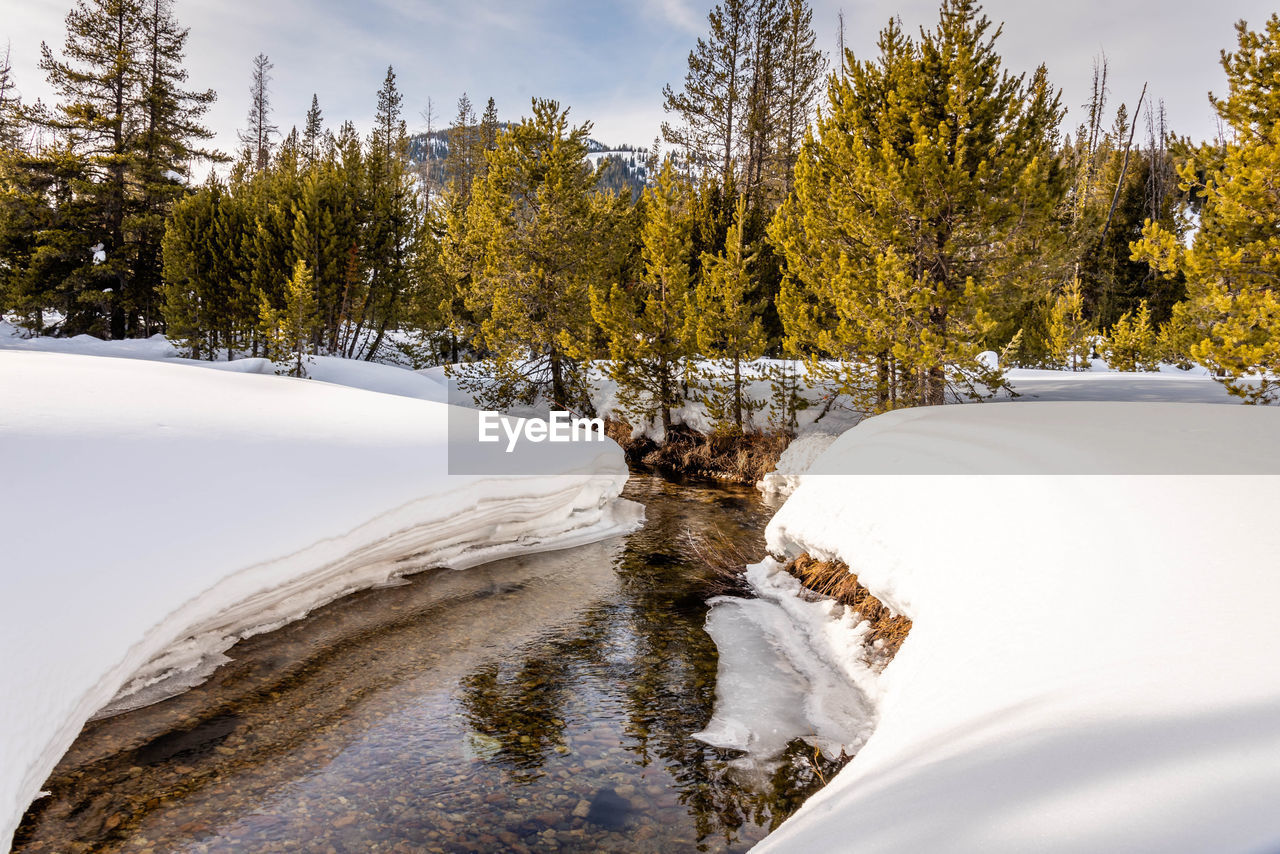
[538, 703]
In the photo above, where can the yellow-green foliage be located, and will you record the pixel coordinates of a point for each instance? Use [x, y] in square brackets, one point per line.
[1232, 312]
[1070, 334]
[1132, 343]
[648, 322]
[729, 331]
[287, 331]
[542, 238]
[919, 200]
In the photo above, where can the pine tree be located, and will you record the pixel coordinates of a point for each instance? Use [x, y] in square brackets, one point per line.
[97, 85]
[396, 226]
[647, 322]
[168, 141]
[919, 203]
[465, 146]
[712, 105]
[763, 103]
[1132, 344]
[313, 133]
[802, 68]
[1232, 301]
[257, 139]
[10, 115]
[537, 222]
[729, 331]
[289, 330]
[489, 126]
[1070, 335]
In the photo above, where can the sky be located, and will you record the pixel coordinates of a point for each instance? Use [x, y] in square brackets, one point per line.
[609, 61]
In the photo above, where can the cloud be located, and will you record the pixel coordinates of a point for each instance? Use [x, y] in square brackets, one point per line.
[679, 13]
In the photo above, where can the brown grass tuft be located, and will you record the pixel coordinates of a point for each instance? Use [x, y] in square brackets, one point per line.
[833, 579]
[724, 559]
[741, 459]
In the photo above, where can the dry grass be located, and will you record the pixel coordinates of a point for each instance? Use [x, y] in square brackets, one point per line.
[724, 560]
[743, 459]
[833, 578]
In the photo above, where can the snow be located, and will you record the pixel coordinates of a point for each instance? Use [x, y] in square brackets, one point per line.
[154, 513]
[799, 455]
[1092, 660]
[788, 669]
[1168, 385]
[371, 376]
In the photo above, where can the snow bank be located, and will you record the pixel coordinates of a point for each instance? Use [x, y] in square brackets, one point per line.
[153, 514]
[1093, 657]
[789, 668]
[1168, 385]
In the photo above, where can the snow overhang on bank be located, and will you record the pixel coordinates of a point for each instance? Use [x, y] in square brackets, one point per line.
[1092, 662]
[154, 513]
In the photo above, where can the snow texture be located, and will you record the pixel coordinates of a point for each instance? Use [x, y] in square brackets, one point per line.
[789, 668]
[1092, 665]
[154, 513]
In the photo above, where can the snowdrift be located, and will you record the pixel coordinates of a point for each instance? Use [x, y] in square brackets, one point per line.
[1092, 665]
[153, 514]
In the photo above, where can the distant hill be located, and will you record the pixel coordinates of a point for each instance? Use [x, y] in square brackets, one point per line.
[622, 167]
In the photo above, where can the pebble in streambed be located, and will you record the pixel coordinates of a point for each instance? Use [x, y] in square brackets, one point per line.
[609, 809]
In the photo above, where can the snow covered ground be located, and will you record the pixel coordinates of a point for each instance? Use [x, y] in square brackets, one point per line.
[1092, 665]
[154, 512]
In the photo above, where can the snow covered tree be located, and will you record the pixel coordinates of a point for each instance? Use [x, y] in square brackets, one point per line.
[729, 331]
[919, 202]
[1233, 304]
[647, 322]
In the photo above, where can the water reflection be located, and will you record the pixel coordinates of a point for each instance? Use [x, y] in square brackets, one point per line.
[540, 703]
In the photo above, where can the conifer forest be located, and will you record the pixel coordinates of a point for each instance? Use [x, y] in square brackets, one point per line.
[882, 218]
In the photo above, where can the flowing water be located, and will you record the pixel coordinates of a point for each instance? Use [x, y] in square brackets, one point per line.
[541, 703]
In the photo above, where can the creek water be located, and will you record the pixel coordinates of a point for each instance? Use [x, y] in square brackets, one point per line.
[539, 703]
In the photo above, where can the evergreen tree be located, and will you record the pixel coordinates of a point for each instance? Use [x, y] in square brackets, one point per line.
[10, 114]
[168, 141]
[712, 105]
[397, 228]
[1132, 344]
[97, 85]
[729, 331]
[466, 148]
[257, 138]
[1070, 335]
[1232, 303]
[461, 253]
[289, 330]
[918, 209]
[536, 218]
[489, 126]
[647, 322]
[313, 133]
[801, 68]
